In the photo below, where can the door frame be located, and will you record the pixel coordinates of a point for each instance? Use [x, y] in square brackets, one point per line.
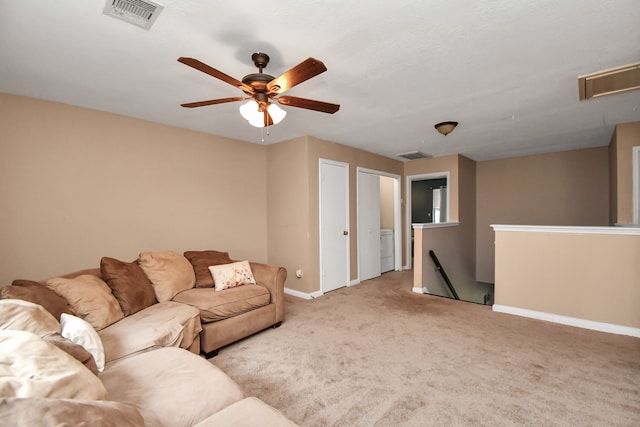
[636, 183]
[422, 177]
[320, 237]
[397, 215]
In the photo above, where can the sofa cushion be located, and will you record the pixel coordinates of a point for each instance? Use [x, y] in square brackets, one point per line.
[201, 260]
[90, 297]
[128, 283]
[82, 333]
[35, 292]
[44, 412]
[170, 387]
[32, 367]
[248, 412]
[227, 276]
[76, 351]
[20, 315]
[166, 324]
[169, 272]
[231, 302]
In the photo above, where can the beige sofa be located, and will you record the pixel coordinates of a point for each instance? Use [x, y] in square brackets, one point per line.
[147, 373]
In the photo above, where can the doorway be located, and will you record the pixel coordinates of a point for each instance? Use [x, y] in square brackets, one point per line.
[425, 210]
[379, 223]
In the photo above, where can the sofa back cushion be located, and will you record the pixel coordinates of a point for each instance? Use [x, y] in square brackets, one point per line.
[32, 367]
[168, 271]
[90, 297]
[201, 261]
[20, 315]
[129, 284]
[29, 290]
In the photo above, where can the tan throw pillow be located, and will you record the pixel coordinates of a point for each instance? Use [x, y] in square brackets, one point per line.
[129, 284]
[169, 272]
[229, 275]
[32, 367]
[20, 315]
[35, 292]
[201, 260]
[90, 297]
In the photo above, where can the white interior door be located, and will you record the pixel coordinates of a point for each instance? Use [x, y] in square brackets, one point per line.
[368, 225]
[334, 225]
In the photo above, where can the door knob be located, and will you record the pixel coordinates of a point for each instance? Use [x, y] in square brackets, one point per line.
[345, 232]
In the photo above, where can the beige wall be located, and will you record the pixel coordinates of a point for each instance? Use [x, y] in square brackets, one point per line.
[625, 137]
[566, 188]
[288, 212]
[321, 149]
[586, 276]
[78, 184]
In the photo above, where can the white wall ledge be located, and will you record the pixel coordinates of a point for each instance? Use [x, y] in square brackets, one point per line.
[435, 224]
[628, 231]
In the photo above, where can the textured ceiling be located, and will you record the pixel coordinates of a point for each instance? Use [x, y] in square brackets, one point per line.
[505, 69]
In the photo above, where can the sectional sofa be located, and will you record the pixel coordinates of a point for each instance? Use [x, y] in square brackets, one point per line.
[119, 343]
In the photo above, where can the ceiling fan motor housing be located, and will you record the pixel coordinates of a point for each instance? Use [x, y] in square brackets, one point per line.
[260, 60]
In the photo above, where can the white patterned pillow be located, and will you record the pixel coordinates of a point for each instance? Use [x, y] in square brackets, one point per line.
[229, 275]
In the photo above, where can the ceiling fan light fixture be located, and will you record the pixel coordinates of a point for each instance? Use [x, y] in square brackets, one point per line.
[446, 128]
[251, 112]
[277, 114]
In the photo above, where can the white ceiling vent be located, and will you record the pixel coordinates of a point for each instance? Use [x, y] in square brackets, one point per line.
[414, 155]
[137, 12]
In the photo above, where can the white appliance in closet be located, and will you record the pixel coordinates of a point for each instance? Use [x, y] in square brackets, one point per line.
[387, 262]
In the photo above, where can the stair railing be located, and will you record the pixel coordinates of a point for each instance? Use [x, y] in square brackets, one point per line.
[440, 268]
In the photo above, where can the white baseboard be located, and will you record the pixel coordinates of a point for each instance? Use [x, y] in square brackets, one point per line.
[571, 321]
[302, 295]
[422, 290]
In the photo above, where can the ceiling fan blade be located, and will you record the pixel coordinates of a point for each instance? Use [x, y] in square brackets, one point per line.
[309, 104]
[311, 67]
[201, 66]
[212, 102]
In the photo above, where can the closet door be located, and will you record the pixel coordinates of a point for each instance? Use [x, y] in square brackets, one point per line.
[368, 225]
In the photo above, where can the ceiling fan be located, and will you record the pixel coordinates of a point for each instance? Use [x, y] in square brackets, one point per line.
[262, 88]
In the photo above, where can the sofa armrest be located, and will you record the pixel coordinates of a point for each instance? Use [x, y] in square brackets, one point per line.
[271, 277]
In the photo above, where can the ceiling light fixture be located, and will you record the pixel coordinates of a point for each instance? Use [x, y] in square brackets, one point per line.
[254, 113]
[446, 128]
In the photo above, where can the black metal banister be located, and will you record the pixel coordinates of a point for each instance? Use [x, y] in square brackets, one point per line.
[444, 274]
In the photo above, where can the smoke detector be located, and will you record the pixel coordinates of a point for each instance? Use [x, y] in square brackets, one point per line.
[141, 13]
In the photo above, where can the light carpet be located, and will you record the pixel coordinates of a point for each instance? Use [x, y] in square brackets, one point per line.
[377, 354]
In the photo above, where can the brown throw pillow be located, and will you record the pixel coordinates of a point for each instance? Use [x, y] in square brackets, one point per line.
[201, 261]
[28, 290]
[129, 284]
[76, 350]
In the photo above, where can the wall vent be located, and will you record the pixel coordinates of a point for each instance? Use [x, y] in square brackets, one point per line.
[137, 12]
[414, 155]
[608, 82]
